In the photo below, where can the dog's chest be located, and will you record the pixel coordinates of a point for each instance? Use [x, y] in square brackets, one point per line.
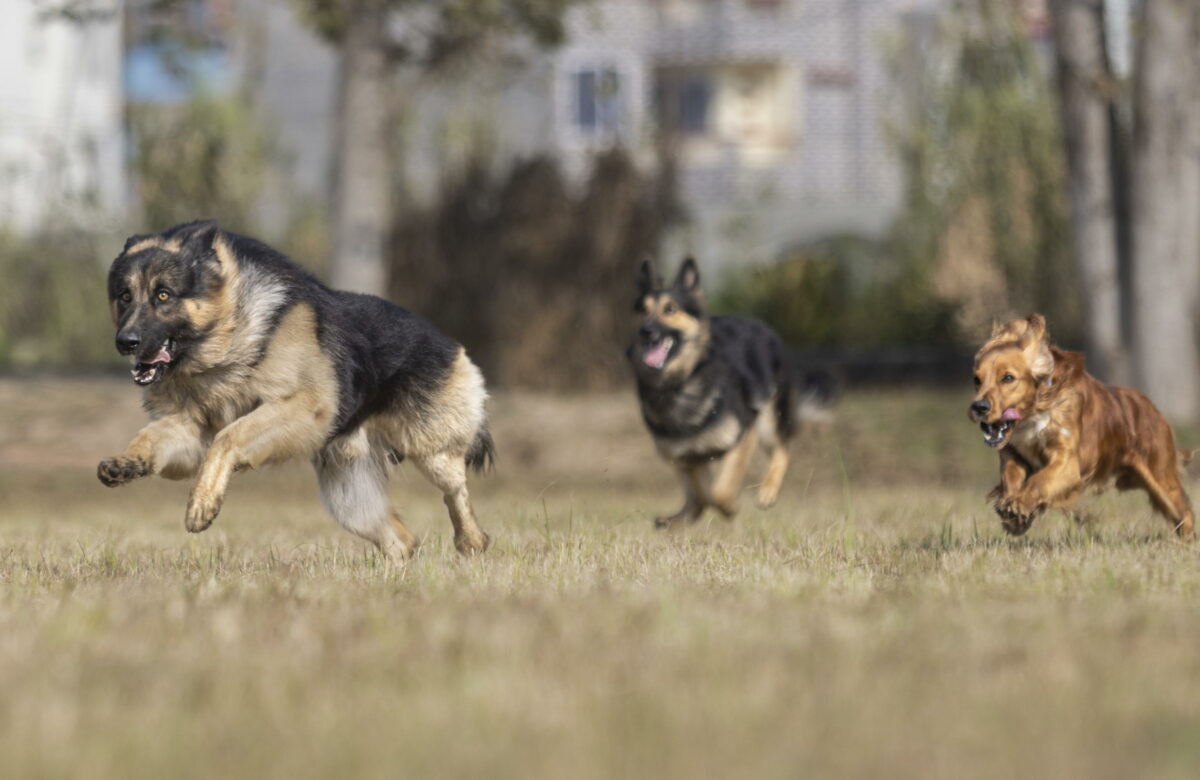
[714, 440]
[1028, 439]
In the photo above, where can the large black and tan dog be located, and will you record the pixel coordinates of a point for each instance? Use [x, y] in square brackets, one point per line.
[246, 359]
[713, 388]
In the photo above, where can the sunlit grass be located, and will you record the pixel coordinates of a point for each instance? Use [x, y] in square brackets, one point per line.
[875, 623]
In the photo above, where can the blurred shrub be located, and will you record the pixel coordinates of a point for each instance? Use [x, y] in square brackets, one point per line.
[984, 226]
[982, 232]
[53, 303]
[533, 276]
[205, 158]
[844, 292]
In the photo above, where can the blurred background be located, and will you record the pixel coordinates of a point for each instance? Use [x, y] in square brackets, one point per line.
[879, 180]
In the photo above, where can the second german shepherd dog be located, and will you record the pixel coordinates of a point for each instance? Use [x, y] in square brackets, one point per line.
[247, 359]
[712, 389]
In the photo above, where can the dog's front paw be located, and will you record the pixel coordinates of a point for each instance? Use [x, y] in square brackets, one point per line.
[201, 511]
[1015, 517]
[119, 469]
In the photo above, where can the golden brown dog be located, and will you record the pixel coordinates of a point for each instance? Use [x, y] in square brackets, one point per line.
[1060, 430]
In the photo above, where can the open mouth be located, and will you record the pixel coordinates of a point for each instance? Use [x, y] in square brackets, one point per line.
[149, 372]
[656, 353]
[996, 433]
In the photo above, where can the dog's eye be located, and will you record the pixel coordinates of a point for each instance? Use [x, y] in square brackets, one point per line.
[163, 295]
[669, 308]
[1007, 378]
[126, 297]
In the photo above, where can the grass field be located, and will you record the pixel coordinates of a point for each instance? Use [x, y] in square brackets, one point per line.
[876, 623]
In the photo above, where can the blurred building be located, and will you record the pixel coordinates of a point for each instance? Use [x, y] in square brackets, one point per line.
[61, 126]
[774, 109]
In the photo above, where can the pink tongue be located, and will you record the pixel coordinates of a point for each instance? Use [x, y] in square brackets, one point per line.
[1011, 414]
[657, 355]
[162, 357]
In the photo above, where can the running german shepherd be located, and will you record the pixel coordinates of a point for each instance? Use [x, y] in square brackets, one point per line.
[247, 359]
[711, 388]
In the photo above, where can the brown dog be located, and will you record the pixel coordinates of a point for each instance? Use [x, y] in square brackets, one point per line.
[1060, 430]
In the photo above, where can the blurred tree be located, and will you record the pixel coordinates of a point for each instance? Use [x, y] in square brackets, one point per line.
[206, 156]
[1165, 179]
[1087, 88]
[1144, 138]
[373, 37]
[984, 222]
[533, 275]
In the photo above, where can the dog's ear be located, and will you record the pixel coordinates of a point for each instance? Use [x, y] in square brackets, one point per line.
[1036, 343]
[129, 242]
[195, 238]
[687, 288]
[1036, 327]
[647, 280]
[688, 279]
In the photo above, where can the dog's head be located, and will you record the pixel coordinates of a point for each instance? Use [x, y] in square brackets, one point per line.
[159, 289]
[1009, 369]
[672, 325]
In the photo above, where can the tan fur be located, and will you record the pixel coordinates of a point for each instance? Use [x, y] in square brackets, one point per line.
[721, 435]
[458, 414]
[694, 333]
[1074, 432]
[701, 490]
[256, 391]
[731, 472]
[146, 243]
[777, 457]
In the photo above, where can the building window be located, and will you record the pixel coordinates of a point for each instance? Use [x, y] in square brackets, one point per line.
[598, 100]
[695, 97]
[685, 101]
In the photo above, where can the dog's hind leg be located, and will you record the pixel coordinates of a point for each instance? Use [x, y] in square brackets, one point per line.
[731, 473]
[1168, 498]
[695, 479]
[353, 482]
[777, 465]
[449, 473]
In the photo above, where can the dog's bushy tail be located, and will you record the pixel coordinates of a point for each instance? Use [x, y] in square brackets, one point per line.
[482, 455]
[810, 398]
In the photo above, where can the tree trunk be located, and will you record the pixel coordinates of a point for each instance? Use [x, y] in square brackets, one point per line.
[1165, 183]
[363, 182]
[1084, 84]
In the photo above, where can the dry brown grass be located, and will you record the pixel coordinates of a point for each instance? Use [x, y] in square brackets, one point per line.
[876, 623]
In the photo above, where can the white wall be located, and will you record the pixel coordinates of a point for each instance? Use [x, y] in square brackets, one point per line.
[61, 138]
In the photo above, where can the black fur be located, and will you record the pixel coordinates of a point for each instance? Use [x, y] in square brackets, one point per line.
[742, 369]
[739, 366]
[482, 455]
[382, 352]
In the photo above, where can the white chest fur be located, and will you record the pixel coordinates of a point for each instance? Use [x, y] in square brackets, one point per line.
[1027, 436]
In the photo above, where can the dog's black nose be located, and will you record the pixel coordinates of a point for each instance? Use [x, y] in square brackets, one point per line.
[127, 342]
[646, 331]
[980, 407]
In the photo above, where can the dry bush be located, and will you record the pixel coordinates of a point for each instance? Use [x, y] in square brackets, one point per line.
[534, 277]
